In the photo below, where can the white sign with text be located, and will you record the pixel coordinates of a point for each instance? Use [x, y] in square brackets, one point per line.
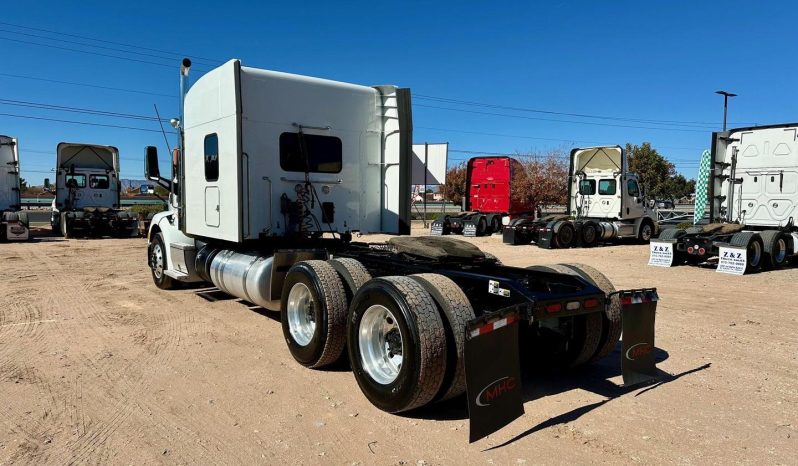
[661, 254]
[732, 260]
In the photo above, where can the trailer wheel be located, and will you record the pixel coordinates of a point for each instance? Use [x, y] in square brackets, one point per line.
[455, 311]
[353, 274]
[397, 343]
[565, 235]
[611, 330]
[313, 313]
[775, 245]
[157, 260]
[593, 326]
[752, 242]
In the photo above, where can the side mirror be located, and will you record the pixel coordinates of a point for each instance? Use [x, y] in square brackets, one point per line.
[151, 170]
[47, 183]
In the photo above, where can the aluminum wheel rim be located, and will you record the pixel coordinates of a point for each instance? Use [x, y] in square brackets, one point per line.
[380, 342]
[646, 232]
[157, 261]
[301, 315]
[781, 255]
[755, 253]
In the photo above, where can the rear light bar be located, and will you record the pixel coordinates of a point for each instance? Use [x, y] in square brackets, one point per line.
[590, 303]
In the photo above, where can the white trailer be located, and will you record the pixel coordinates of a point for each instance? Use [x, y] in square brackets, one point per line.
[753, 203]
[87, 193]
[275, 174]
[605, 202]
[13, 222]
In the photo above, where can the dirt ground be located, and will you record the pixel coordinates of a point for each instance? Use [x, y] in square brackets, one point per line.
[98, 366]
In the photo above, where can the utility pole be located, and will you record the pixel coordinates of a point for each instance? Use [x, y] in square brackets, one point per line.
[726, 96]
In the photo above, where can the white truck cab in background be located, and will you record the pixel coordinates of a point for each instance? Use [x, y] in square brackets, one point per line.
[87, 192]
[13, 223]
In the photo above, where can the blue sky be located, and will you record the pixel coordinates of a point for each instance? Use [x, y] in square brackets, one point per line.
[629, 60]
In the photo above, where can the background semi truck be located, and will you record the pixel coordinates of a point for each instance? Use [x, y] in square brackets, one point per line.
[752, 196]
[605, 202]
[274, 174]
[13, 223]
[489, 187]
[87, 193]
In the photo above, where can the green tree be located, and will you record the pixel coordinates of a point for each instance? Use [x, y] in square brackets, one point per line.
[652, 167]
[454, 188]
[676, 187]
[544, 180]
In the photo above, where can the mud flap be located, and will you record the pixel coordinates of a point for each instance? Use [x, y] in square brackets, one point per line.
[469, 228]
[493, 373]
[638, 308]
[662, 253]
[436, 229]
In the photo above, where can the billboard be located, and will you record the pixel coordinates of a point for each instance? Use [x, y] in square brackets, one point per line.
[429, 163]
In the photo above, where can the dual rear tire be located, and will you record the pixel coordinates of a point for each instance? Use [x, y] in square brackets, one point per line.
[404, 335]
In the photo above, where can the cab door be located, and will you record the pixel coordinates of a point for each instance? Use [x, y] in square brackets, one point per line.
[633, 202]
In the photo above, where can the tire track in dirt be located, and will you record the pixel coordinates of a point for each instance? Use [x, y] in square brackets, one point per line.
[159, 353]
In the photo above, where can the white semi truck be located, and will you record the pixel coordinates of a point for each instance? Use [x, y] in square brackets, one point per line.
[753, 202]
[605, 202]
[274, 175]
[87, 193]
[13, 222]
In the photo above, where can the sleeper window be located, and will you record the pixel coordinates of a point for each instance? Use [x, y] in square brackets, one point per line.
[211, 157]
[98, 182]
[324, 153]
[607, 187]
[587, 187]
[75, 181]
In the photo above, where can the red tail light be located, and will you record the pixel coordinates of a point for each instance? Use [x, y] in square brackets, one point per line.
[554, 307]
[702, 251]
[591, 303]
[690, 250]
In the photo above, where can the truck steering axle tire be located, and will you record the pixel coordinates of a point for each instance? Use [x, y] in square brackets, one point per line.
[397, 343]
[455, 311]
[646, 232]
[313, 313]
[157, 260]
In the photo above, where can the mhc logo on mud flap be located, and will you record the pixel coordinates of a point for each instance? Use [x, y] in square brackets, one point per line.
[495, 389]
[638, 351]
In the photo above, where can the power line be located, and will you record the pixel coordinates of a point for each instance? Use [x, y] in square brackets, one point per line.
[551, 112]
[507, 115]
[83, 44]
[105, 41]
[97, 86]
[570, 141]
[86, 123]
[62, 108]
[90, 52]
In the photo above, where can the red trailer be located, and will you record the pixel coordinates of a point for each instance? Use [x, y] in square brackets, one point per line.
[489, 185]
